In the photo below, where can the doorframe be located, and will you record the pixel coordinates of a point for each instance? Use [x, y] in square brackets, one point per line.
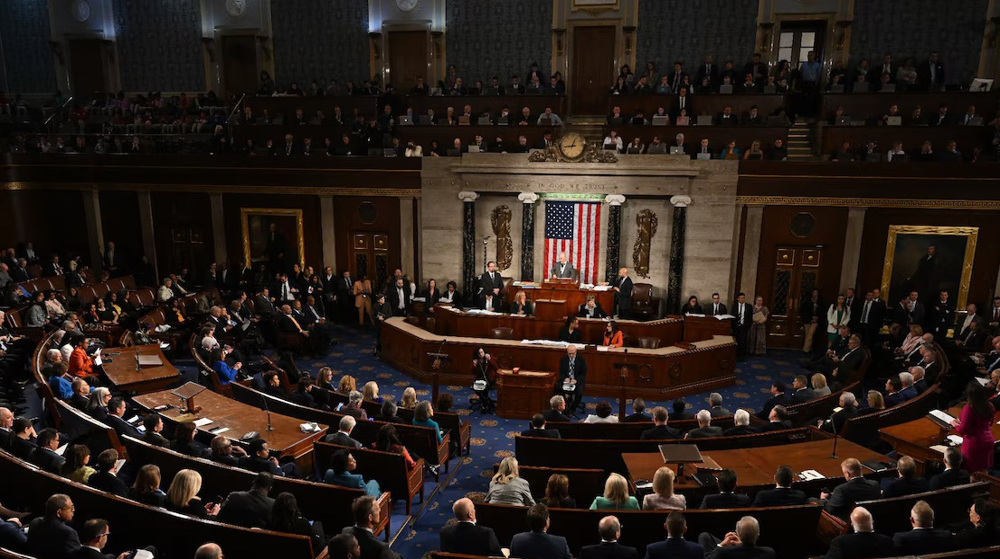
[620, 57]
[430, 77]
[109, 59]
[829, 39]
[215, 72]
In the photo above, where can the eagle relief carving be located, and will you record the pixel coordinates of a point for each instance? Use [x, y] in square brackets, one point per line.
[645, 223]
[500, 220]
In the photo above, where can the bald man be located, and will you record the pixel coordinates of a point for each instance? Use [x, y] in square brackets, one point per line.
[562, 269]
[6, 425]
[623, 294]
[610, 529]
[208, 551]
[854, 490]
[467, 538]
[864, 542]
[572, 378]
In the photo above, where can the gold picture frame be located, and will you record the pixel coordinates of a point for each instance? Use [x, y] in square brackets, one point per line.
[951, 275]
[252, 222]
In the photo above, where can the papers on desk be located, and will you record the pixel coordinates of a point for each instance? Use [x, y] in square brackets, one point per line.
[481, 311]
[308, 427]
[955, 440]
[97, 358]
[941, 416]
[150, 361]
[418, 300]
[218, 430]
[552, 343]
[724, 316]
[939, 448]
[600, 288]
[808, 475]
[695, 315]
[983, 381]
[202, 422]
[603, 348]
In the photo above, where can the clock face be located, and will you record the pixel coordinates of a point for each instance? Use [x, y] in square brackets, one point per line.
[236, 8]
[80, 10]
[407, 5]
[572, 146]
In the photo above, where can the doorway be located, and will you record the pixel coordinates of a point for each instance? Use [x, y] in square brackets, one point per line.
[593, 68]
[797, 272]
[370, 257]
[407, 59]
[87, 69]
[239, 64]
[797, 38]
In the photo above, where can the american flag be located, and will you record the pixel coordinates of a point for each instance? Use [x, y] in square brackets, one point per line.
[573, 228]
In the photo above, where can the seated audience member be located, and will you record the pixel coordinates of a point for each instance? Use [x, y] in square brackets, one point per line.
[116, 418]
[183, 441]
[777, 420]
[610, 530]
[422, 417]
[387, 440]
[409, 398]
[81, 394]
[465, 536]
[663, 496]
[801, 391]
[848, 409]
[613, 336]
[602, 414]
[259, 459]
[51, 535]
[213, 551]
[342, 463]
[23, 442]
[388, 413]
[224, 452]
[854, 490]
[742, 543]
[778, 398]
[45, 455]
[557, 493]
[353, 406]
[704, 428]
[146, 487]
[715, 405]
[638, 412]
[343, 436]
[366, 518]
[953, 473]
[820, 389]
[908, 481]
[225, 373]
[741, 421]
[983, 528]
[923, 538]
[591, 309]
[675, 546]
[570, 331]
[106, 477]
[726, 498]
[864, 542]
[660, 430]
[876, 403]
[303, 392]
[250, 509]
[679, 410]
[97, 407]
[507, 487]
[77, 465]
[537, 543]
[182, 496]
[615, 496]
[557, 405]
[782, 494]
[286, 517]
[538, 428]
[153, 424]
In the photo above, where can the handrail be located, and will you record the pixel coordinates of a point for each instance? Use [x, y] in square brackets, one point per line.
[63, 106]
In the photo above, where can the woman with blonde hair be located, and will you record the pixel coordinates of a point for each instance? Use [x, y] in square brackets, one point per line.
[409, 399]
[183, 497]
[876, 403]
[347, 384]
[615, 496]
[912, 340]
[663, 496]
[819, 385]
[370, 391]
[507, 487]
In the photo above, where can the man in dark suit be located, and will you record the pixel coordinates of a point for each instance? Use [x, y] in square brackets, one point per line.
[716, 408]
[611, 530]
[679, 410]
[908, 482]
[776, 420]
[44, 455]
[572, 374]
[704, 428]
[726, 498]
[557, 405]
[782, 494]
[741, 422]
[660, 430]
[870, 316]
[538, 428]
[489, 302]
[675, 546]
[399, 297]
[490, 281]
[50, 535]
[800, 390]
[848, 409]
[912, 309]
[709, 69]
[537, 543]
[623, 294]
[153, 424]
[741, 544]
[941, 316]
[106, 477]
[94, 536]
[343, 436]
[778, 398]
[855, 489]
[639, 414]
[847, 363]
[250, 509]
[864, 542]
[366, 518]
[115, 419]
[716, 307]
[973, 338]
[923, 539]
[466, 537]
[930, 74]
[953, 473]
[743, 312]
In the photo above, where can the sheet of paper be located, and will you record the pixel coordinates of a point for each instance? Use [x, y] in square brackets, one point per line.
[955, 439]
[118, 464]
[218, 430]
[202, 422]
[947, 418]
[811, 474]
[724, 316]
[61, 450]
[939, 448]
[982, 380]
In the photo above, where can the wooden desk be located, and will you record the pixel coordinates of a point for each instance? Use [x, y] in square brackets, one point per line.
[709, 104]
[755, 467]
[569, 292]
[699, 328]
[124, 376]
[286, 438]
[522, 395]
[718, 136]
[659, 374]
[915, 438]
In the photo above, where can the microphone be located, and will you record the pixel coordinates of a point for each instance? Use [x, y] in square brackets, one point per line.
[137, 359]
[263, 398]
[833, 427]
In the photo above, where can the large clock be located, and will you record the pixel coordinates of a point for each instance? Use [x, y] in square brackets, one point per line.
[236, 8]
[407, 5]
[80, 10]
[572, 146]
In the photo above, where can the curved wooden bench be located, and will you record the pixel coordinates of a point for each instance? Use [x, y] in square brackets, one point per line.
[388, 468]
[863, 429]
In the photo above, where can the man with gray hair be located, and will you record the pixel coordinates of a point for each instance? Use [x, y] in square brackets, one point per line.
[923, 539]
[704, 428]
[742, 421]
[465, 536]
[343, 436]
[742, 543]
[908, 392]
[557, 405]
[610, 529]
[848, 409]
[864, 542]
[6, 427]
[353, 406]
[715, 403]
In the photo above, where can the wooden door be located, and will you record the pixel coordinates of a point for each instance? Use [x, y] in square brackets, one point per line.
[86, 67]
[239, 64]
[407, 58]
[593, 69]
[798, 38]
[370, 257]
[797, 272]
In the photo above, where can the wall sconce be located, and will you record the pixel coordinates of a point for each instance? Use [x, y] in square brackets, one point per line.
[209, 44]
[109, 49]
[376, 40]
[57, 51]
[765, 37]
[841, 33]
[628, 30]
[436, 37]
[559, 33]
[994, 37]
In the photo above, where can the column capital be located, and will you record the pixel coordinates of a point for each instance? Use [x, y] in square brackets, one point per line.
[614, 199]
[527, 197]
[680, 201]
[467, 196]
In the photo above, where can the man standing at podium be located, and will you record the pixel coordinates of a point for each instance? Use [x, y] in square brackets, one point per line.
[490, 283]
[562, 269]
[572, 378]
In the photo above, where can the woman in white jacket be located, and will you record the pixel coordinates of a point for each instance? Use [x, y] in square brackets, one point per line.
[838, 315]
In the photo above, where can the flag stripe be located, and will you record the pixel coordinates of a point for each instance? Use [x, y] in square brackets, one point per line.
[573, 228]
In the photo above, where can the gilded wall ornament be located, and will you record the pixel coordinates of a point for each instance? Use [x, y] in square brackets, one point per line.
[500, 220]
[645, 223]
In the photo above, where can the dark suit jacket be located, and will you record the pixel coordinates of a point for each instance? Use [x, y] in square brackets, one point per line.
[701, 432]
[597, 313]
[469, 539]
[48, 460]
[250, 509]
[371, 547]
[849, 362]
[109, 483]
[637, 418]
[803, 395]
[710, 309]
[765, 410]
[674, 548]
[91, 553]
[489, 283]
[579, 371]
[949, 478]
[608, 550]
[861, 545]
[538, 545]
[660, 432]
[920, 542]
[122, 427]
[725, 501]
[550, 433]
[54, 539]
[392, 297]
[624, 294]
[552, 415]
[774, 426]
[844, 497]
[779, 496]
[903, 486]
[747, 316]
[740, 430]
[342, 440]
[741, 552]
[287, 326]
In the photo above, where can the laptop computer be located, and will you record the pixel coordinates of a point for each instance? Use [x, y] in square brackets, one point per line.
[474, 149]
[888, 88]
[676, 150]
[659, 121]
[485, 121]
[861, 87]
[424, 120]
[704, 120]
[704, 156]
[388, 152]
[405, 120]
[726, 89]
[843, 121]
[894, 121]
[454, 152]
[464, 120]
[839, 88]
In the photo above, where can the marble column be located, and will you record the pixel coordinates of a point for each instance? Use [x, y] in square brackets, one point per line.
[219, 231]
[677, 229]
[528, 200]
[468, 242]
[146, 225]
[614, 202]
[406, 248]
[329, 231]
[751, 252]
[95, 229]
[852, 248]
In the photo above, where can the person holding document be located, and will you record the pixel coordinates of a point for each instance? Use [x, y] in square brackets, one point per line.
[974, 425]
[562, 269]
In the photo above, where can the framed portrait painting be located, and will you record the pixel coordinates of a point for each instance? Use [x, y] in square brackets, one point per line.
[273, 237]
[928, 259]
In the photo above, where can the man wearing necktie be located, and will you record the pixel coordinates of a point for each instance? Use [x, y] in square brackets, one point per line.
[716, 307]
[562, 269]
[741, 325]
[399, 298]
[572, 376]
[490, 281]
[995, 315]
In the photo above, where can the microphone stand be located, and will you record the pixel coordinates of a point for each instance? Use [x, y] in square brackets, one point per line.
[833, 427]
[267, 410]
